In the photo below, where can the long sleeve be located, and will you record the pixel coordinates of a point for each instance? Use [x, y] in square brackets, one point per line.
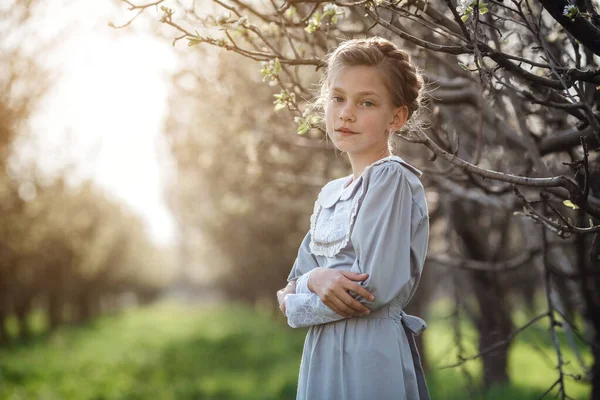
[305, 260]
[390, 240]
[305, 308]
[391, 234]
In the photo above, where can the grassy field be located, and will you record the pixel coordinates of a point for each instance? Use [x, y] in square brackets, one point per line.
[172, 351]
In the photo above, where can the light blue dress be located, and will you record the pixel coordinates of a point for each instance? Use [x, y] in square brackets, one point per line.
[379, 225]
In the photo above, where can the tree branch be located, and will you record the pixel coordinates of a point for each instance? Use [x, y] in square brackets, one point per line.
[582, 29]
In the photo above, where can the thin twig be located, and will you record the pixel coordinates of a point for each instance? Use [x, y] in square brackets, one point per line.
[500, 343]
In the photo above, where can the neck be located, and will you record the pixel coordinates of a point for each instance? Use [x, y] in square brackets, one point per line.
[361, 161]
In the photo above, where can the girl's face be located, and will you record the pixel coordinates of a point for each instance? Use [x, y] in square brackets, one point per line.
[359, 111]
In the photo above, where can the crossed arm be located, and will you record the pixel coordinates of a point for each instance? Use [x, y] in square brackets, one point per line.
[333, 288]
[388, 260]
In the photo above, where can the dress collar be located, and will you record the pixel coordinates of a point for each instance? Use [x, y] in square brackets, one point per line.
[336, 190]
[330, 194]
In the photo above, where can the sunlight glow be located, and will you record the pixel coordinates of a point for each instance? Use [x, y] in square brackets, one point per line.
[106, 111]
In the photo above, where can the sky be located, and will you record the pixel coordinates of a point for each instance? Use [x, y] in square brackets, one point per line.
[105, 111]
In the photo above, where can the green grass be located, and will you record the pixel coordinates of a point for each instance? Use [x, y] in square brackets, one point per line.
[170, 351]
[532, 362]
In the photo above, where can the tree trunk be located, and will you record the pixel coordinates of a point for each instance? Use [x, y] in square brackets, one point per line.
[87, 305]
[22, 309]
[494, 324]
[56, 297]
[55, 309]
[3, 311]
[5, 300]
[87, 309]
[3, 316]
[591, 290]
[494, 321]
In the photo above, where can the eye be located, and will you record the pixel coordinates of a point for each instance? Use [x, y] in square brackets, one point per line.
[337, 99]
[368, 103]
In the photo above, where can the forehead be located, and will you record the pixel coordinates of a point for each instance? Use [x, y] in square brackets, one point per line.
[357, 79]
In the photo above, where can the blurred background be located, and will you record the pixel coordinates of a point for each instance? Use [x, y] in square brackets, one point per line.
[152, 201]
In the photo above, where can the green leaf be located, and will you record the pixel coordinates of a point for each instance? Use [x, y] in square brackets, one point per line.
[463, 66]
[290, 12]
[569, 203]
[277, 67]
[464, 18]
[303, 128]
[315, 119]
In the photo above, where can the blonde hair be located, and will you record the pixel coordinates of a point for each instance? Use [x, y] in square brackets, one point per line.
[401, 76]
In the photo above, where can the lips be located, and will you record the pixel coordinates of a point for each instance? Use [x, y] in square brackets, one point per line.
[345, 131]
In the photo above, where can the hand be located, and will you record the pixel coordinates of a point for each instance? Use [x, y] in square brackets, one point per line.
[333, 288]
[289, 289]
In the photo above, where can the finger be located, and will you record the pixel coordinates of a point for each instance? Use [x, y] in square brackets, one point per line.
[349, 306]
[359, 290]
[356, 307]
[280, 298]
[291, 289]
[339, 307]
[355, 276]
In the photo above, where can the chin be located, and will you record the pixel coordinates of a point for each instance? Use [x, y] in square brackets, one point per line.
[343, 143]
[350, 149]
[344, 147]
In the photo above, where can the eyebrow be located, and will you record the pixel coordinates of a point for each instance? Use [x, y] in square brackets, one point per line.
[365, 93]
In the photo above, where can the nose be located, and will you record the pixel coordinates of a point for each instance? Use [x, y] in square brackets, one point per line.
[346, 113]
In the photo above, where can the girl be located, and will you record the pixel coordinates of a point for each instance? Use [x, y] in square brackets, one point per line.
[361, 261]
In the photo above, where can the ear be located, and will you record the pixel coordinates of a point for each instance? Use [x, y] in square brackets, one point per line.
[399, 119]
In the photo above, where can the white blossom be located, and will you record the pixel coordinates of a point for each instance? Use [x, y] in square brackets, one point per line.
[330, 7]
[463, 5]
[570, 11]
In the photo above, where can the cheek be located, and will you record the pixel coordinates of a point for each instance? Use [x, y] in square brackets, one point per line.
[329, 108]
[373, 120]
[329, 115]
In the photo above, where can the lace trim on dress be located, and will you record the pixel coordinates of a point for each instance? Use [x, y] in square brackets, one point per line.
[330, 249]
[306, 310]
[330, 198]
[302, 283]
